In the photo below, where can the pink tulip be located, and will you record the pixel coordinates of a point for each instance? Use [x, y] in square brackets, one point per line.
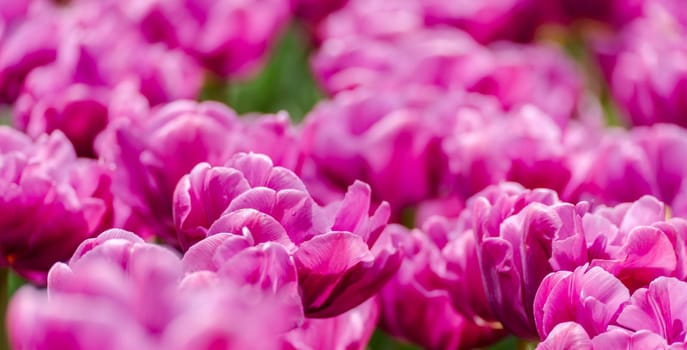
[151, 156]
[515, 74]
[644, 65]
[339, 251]
[567, 336]
[44, 179]
[35, 19]
[351, 330]
[417, 307]
[635, 242]
[372, 136]
[229, 37]
[120, 292]
[626, 165]
[74, 93]
[590, 297]
[521, 236]
[486, 21]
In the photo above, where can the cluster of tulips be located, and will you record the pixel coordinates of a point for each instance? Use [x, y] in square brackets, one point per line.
[478, 171]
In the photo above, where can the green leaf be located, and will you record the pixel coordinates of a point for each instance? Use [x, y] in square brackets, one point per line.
[285, 83]
[5, 115]
[383, 341]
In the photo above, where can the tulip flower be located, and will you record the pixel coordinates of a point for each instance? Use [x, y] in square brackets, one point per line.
[521, 236]
[230, 37]
[417, 307]
[635, 242]
[515, 74]
[150, 157]
[625, 165]
[74, 93]
[44, 179]
[371, 136]
[119, 292]
[339, 251]
[19, 56]
[486, 21]
[643, 65]
[590, 297]
[351, 330]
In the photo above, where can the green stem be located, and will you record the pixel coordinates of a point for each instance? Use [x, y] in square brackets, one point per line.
[522, 344]
[4, 300]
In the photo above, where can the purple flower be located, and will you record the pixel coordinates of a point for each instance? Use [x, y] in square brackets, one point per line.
[652, 319]
[525, 146]
[120, 292]
[204, 195]
[313, 12]
[373, 137]
[449, 59]
[635, 242]
[591, 297]
[228, 37]
[520, 238]
[340, 253]
[623, 339]
[74, 93]
[461, 271]
[614, 170]
[351, 330]
[486, 21]
[27, 40]
[570, 335]
[152, 155]
[661, 308]
[416, 306]
[645, 68]
[614, 13]
[567, 336]
[626, 165]
[44, 179]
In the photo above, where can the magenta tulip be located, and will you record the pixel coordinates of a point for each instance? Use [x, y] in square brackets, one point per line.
[44, 179]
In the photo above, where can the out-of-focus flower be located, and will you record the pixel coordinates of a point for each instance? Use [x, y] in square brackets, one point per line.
[339, 250]
[351, 330]
[609, 13]
[99, 51]
[119, 292]
[591, 297]
[28, 39]
[626, 165]
[524, 146]
[229, 37]
[646, 65]
[50, 200]
[151, 156]
[448, 146]
[449, 59]
[485, 21]
[314, 11]
[376, 137]
[416, 306]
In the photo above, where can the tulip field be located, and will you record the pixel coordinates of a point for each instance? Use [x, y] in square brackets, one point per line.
[343, 174]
